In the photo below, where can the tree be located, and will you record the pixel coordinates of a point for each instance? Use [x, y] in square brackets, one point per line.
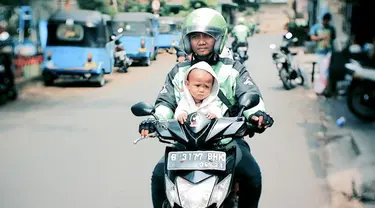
[103, 6]
[134, 6]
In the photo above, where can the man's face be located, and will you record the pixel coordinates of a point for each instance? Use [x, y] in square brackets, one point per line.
[326, 22]
[201, 43]
[199, 83]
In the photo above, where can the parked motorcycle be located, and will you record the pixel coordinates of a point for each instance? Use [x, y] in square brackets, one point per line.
[241, 55]
[361, 91]
[200, 163]
[289, 71]
[8, 89]
[121, 59]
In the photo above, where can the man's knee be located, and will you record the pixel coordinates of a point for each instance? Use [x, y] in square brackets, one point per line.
[248, 168]
[158, 172]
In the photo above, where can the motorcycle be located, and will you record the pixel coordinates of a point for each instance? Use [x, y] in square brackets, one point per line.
[239, 52]
[201, 158]
[240, 55]
[289, 71]
[8, 89]
[121, 59]
[361, 93]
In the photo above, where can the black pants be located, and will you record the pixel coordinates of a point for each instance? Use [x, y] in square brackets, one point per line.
[247, 172]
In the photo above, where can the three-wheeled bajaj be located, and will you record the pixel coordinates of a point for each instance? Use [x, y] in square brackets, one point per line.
[139, 32]
[78, 46]
[170, 33]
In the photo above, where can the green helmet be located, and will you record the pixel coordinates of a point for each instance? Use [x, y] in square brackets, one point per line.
[208, 21]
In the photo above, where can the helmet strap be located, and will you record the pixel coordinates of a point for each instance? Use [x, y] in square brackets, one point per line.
[211, 59]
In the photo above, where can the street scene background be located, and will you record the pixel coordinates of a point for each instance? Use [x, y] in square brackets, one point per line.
[71, 144]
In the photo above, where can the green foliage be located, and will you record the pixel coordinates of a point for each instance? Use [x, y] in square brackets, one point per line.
[101, 5]
[134, 6]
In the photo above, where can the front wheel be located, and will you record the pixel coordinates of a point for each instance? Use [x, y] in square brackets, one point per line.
[147, 62]
[12, 94]
[361, 103]
[284, 76]
[48, 79]
[155, 54]
[3, 98]
[98, 79]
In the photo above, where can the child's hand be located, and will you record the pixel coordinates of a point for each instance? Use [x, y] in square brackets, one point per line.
[182, 118]
[210, 115]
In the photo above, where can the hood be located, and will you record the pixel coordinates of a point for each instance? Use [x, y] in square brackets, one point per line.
[215, 87]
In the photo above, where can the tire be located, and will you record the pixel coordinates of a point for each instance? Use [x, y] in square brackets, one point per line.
[3, 98]
[101, 81]
[155, 54]
[284, 76]
[355, 106]
[13, 94]
[302, 82]
[98, 79]
[147, 62]
[48, 79]
[125, 69]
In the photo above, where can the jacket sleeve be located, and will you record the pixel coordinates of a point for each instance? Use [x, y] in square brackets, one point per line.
[182, 106]
[245, 84]
[166, 103]
[216, 108]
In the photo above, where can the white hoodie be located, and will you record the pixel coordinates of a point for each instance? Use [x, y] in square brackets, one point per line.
[211, 104]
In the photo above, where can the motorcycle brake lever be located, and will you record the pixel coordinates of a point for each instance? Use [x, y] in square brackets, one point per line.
[152, 135]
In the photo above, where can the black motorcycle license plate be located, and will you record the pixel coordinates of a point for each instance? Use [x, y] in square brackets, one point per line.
[197, 160]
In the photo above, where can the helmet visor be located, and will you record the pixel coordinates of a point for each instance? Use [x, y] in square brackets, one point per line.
[212, 31]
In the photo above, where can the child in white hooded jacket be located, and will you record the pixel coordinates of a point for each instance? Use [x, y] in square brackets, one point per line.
[201, 88]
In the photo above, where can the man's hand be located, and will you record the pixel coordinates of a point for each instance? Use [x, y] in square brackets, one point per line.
[262, 120]
[147, 126]
[211, 115]
[182, 118]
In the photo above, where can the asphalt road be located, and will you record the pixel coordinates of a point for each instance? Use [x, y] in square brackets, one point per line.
[70, 146]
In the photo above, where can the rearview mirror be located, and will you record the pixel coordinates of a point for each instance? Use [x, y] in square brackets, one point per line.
[248, 101]
[142, 109]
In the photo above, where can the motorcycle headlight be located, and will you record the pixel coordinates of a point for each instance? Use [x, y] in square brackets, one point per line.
[195, 195]
[220, 191]
[171, 191]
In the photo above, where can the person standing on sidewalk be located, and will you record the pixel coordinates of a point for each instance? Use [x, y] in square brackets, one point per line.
[324, 34]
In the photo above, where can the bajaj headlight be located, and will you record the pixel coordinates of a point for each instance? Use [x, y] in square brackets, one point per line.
[195, 195]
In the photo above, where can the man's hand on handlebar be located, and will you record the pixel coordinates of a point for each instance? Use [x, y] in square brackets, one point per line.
[147, 126]
[261, 120]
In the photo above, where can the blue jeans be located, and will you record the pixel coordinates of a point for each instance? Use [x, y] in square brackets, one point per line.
[247, 172]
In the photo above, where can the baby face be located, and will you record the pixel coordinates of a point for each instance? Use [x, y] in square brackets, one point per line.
[199, 83]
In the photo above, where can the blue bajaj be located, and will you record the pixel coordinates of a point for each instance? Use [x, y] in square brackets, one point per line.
[170, 33]
[77, 46]
[138, 33]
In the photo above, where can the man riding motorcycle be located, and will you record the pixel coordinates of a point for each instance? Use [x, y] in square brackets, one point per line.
[204, 36]
[240, 33]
